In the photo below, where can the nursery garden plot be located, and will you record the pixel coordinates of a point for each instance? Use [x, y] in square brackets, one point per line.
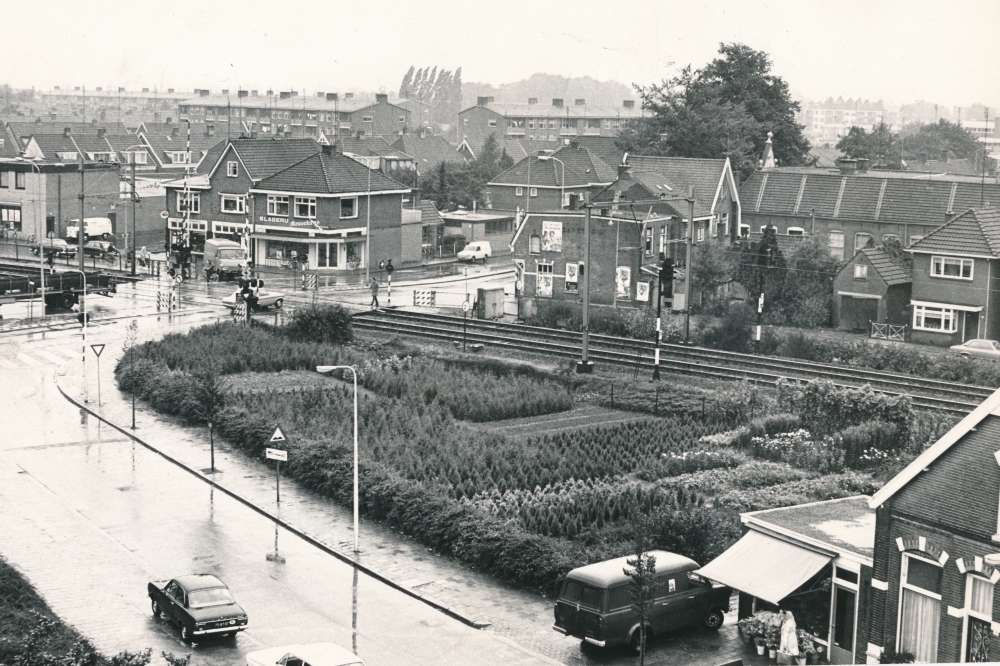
[583, 416]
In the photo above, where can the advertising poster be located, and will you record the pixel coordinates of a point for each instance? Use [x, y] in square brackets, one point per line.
[623, 281]
[544, 284]
[642, 291]
[551, 236]
[572, 273]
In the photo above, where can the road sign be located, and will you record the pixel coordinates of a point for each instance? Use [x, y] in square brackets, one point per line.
[519, 285]
[278, 436]
[381, 264]
[164, 214]
[178, 278]
[276, 454]
[465, 306]
[97, 349]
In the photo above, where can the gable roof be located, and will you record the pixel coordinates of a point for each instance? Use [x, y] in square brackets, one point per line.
[989, 406]
[265, 157]
[974, 232]
[370, 146]
[604, 147]
[674, 175]
[163, 139]
[329, 173]
[959, 167]
[51, 145]
[429, 214]
[428, 151]
[533, 172]
[585, 162]
[890, 272]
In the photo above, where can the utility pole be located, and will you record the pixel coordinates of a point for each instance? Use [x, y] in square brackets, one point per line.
[687, 268]
[584, 366]
[982, 165]
[133, 215]
[79, 228]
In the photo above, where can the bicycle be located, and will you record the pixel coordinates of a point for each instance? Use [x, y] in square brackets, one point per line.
[353, 262]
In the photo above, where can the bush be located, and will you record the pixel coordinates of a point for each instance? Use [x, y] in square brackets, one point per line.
[766, 426]
[733, 331]
[832, 486]
[320, 323]
[864, 444]
[675, 464]
[825, 408]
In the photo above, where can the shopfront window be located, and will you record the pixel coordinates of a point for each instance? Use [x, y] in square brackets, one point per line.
[287, 250]
[356, 253]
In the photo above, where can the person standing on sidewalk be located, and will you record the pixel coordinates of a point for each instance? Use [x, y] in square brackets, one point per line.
[374, 288]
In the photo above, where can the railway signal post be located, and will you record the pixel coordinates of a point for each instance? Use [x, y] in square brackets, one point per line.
[584, 365]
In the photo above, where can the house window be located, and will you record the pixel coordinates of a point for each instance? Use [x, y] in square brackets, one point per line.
[914, 239]
[648, 241]
[663, 240]
[860, 272]
[725, 225]
[232, 169]
[305, 207]
[535, 244]
[19, 180]
[233, 203]
[366, 119]
[533, 192]
[4, 178]
[499, 226]
[518, 192]
[744, 231]
[348, 208]
[700, 233]
[919, 608]
[402, 119]
[889, 237]
[543, 280]
[979, 615]
[861, 240]
[137, 157]
[531, 123]
[942, 320]
[180, 157]
[837, 245]
[10, 217]
[796, 231]
[951, 267]
[492, 123]
[189, 202]
[594, 123]
[465, 121]
[277, 205]
[552, 124]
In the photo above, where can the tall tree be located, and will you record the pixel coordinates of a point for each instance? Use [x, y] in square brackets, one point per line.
[404, 87]
[880, 146]
[760, 268]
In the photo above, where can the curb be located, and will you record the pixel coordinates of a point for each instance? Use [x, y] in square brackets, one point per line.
[305, 536]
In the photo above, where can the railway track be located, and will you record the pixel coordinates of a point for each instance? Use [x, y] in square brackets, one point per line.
[926, 393]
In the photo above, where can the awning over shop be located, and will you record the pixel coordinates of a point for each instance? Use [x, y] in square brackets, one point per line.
[765, 567]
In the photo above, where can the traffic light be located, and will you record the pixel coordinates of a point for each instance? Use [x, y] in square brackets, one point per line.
[80, 317]
[667, 278]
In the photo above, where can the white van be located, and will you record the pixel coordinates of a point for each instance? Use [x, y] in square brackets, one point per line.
[93, 227]
[476, 250]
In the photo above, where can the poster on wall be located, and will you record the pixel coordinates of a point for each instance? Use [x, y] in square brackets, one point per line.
[572, 272]
[623, 282]
[642, 291]
[544, 282]
[551, 236]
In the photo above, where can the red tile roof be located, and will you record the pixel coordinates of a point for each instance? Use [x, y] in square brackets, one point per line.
[888, 269]
[428, 151]
[329, 173]
[976, 231]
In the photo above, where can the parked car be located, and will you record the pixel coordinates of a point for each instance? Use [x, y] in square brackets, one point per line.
[978, 348]
[265, 299]
[200, 604]
[317, 654]
[595, 605]
[55, 246]
[474, 251]
[93, 227]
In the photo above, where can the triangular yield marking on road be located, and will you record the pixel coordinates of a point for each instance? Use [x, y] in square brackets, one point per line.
[278, 436]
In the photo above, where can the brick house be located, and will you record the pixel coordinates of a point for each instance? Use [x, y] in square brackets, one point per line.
[952, 298]
[547, 180]
[851, 205]
[936, 544]
[871, 287]
[548, 252]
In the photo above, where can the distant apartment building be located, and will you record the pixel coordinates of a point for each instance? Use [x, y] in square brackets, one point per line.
[986, 132]
[541, 122]
[288, 114]
[827, 122]
[111, 103]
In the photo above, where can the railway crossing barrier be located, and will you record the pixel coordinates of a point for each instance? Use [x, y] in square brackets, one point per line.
[309, 282]
[426, 299]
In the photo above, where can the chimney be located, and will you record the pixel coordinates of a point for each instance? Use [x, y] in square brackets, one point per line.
[319, 94]
[862, 165]
[170, 90]
[557, 102]
[101, 131]
[580, 102]
[145, 90]
[210, 130]
[331, 97]
[270, 92]
[240, 94]
[285, 95]
[348, 95]
[847, 166]
[328, 150]
[67, 131]
[175, 132]
[203, 92]
[628, 104]
[482, 101]
[120, 89]
[99, 89]
[532, 100]
[225, 91]
[623, 170]
[944, 156]
[381, 98]
[253, 93]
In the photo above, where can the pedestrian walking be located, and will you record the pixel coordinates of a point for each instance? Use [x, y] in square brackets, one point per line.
[374, 288]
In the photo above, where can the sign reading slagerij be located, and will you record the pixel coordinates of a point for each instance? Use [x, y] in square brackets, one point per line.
[551, 236]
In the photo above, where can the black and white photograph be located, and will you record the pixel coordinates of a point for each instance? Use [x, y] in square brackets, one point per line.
[544, 334]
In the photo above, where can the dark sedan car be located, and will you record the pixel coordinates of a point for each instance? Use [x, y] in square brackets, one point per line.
[200, 604]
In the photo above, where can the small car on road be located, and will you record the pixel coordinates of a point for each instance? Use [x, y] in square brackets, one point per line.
[317, 654]
[978, 348]
[54, 247]
[474, 251]
[265, 299]
[200, 604]
[595, 604]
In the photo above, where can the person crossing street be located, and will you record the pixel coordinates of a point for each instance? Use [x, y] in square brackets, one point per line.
[374, 289]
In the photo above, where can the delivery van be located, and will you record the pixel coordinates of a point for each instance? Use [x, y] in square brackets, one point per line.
[93, 227]
[224, 259]
[475, 250]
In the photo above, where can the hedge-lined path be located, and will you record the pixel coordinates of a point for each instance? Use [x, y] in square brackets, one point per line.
[516, 616]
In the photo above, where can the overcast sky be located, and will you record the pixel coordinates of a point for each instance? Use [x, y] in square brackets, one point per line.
[891, 50]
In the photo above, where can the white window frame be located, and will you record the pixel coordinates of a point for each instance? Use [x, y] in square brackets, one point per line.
[744, 227]
[725, 224]
[903, 585]
[534, 244]
[366, 119]
[549, 269]
[857, 237]
[648, 241]
[491, 123]
[700, 234]
[232, 169]
[914, 239]
[533, 192]
[239, 199]
[839, 256]
[273, 203]
[795, 231]
[939, 262]
[180, 157]
[195, 200]
[518, 192]
[948, 317]
[354, 206]
[888, 237]
[860, 271]
[20, 180]
[309, 203]
[137, 157]
[971, 613]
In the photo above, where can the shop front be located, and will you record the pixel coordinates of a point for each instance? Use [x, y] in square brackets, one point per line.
[310, 250]
[814, 563]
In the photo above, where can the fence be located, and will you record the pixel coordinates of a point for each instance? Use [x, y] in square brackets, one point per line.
[889, 331]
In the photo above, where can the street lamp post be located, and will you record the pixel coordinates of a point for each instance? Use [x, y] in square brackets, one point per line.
[83, 311]
[562, 187]
[330, 368]
[131, 159]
